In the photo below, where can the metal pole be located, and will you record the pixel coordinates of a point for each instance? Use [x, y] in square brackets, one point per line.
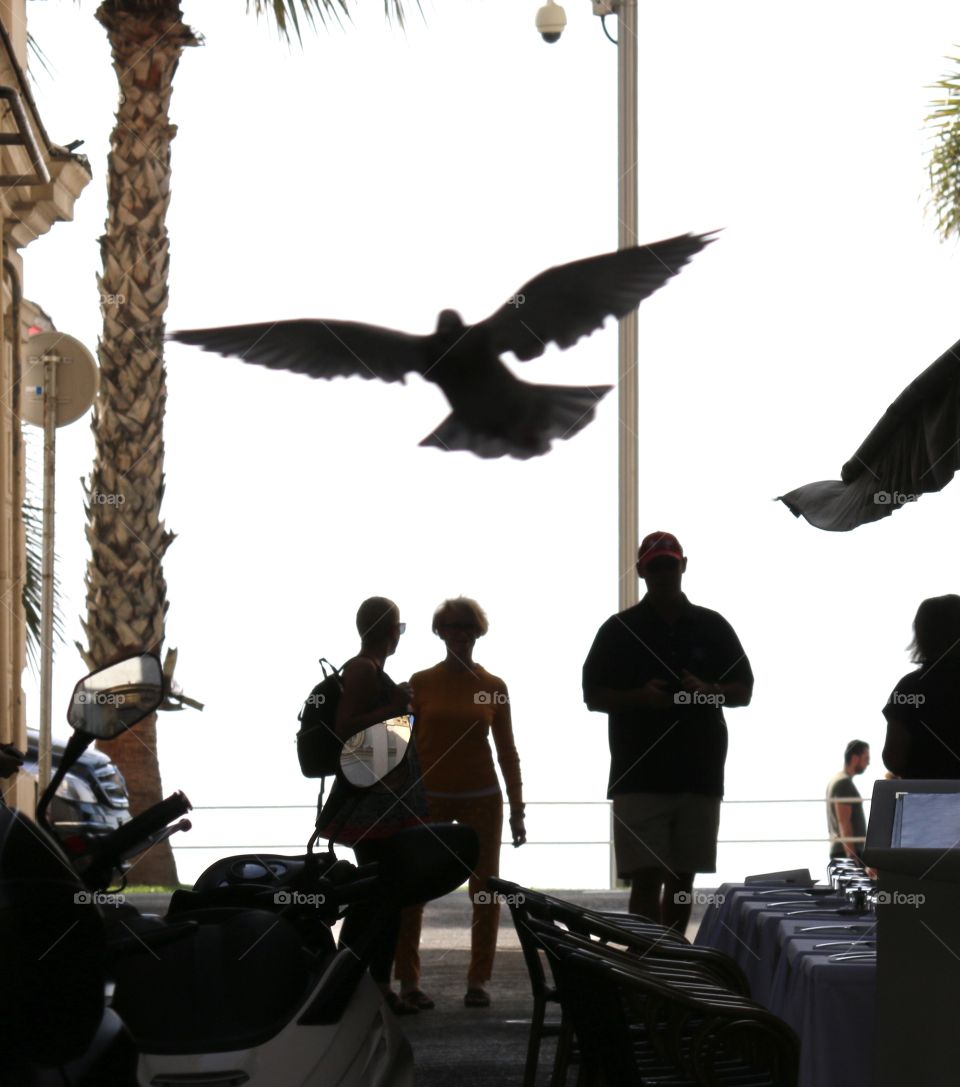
[628, 385]
[46, 599]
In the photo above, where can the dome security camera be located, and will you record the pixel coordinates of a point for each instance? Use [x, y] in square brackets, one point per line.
[551, 19]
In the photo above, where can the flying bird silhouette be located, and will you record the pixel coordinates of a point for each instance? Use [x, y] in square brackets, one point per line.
[914, 449]
[494, 413]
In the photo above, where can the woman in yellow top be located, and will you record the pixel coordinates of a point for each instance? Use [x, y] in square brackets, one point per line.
[457, 705]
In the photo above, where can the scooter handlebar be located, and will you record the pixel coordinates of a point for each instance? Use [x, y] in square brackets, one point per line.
[108, 853]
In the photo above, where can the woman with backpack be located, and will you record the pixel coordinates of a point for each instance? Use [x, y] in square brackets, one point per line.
[366, 819]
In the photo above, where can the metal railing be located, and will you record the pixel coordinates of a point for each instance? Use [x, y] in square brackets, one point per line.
[260, 845]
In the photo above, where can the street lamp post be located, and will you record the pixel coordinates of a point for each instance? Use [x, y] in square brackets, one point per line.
[551, 21]
[628, 386]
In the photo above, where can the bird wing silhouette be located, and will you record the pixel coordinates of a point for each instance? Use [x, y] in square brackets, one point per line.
[317, 348]
[572, 300]
[914, 449]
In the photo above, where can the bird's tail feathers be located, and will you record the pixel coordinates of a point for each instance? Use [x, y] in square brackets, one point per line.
[546, 412]
[454, 434]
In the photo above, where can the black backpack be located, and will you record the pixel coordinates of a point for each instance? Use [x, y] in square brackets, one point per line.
[318, 746]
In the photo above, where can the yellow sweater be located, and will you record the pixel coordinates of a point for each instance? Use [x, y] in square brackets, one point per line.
[455, 711]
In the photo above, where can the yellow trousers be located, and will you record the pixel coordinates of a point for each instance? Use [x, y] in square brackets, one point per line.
[485, 815]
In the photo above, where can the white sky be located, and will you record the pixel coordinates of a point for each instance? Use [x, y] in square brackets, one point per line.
[382, 176]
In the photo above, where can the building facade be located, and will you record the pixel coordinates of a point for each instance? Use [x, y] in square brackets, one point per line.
[39, 184]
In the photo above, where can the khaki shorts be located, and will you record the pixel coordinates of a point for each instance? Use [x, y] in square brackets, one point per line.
[676, 831]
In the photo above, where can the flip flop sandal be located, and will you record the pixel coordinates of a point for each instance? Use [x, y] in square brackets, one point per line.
[418, 999]
[398, 1005]
[476, 998]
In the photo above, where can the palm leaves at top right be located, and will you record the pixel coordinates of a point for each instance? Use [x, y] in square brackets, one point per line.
[945, 155]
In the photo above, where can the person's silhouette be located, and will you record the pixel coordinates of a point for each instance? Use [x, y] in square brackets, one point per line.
[663, 670]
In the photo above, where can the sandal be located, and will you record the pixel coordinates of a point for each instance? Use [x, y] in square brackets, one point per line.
[418, 999]
[476, 998]
[398, 1005]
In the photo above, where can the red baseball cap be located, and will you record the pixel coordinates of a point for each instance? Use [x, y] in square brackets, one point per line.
[659, 545]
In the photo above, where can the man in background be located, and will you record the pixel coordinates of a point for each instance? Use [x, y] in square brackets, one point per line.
[663, 670]
[847, 821]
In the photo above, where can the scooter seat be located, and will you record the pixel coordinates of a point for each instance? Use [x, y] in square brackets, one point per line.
[271, 870]
[232, 983]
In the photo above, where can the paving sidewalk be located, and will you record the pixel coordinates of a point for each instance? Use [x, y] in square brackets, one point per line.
[455, 1046]
[473, 1047]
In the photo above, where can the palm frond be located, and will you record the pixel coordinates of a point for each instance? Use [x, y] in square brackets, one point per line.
[32, 586]
[33, 48]
[288, 13]
[944, 164]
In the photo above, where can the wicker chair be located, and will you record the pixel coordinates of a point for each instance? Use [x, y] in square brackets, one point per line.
[639, 1004]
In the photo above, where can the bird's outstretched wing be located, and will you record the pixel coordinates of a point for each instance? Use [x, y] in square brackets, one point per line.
[914, 449]
[572, 300]
[317, 348]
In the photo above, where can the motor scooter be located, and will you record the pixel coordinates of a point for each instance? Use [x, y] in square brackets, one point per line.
[262, 996]
[242, 982]
[55, 1030]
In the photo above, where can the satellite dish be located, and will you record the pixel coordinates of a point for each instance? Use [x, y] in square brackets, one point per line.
[76, 378]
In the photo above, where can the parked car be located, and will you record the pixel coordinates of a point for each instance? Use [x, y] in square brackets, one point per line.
[91, 800]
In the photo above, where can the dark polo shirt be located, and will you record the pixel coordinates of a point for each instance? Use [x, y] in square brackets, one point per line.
[681, 749]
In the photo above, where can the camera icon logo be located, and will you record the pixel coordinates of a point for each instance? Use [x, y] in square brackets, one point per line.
[682, 698]
[683, 898]
[482, 698]
[282, 898]
[83, 898]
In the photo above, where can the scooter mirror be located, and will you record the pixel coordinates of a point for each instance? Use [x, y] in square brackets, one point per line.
[114, 698]
[369, 756]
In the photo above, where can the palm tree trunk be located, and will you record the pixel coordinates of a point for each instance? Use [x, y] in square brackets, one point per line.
[126, 590]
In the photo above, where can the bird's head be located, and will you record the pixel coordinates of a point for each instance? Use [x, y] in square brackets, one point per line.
[449, 323]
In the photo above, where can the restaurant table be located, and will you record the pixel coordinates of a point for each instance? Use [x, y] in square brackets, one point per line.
[777, 935]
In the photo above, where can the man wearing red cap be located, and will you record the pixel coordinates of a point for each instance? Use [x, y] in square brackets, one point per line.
[663, 670]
